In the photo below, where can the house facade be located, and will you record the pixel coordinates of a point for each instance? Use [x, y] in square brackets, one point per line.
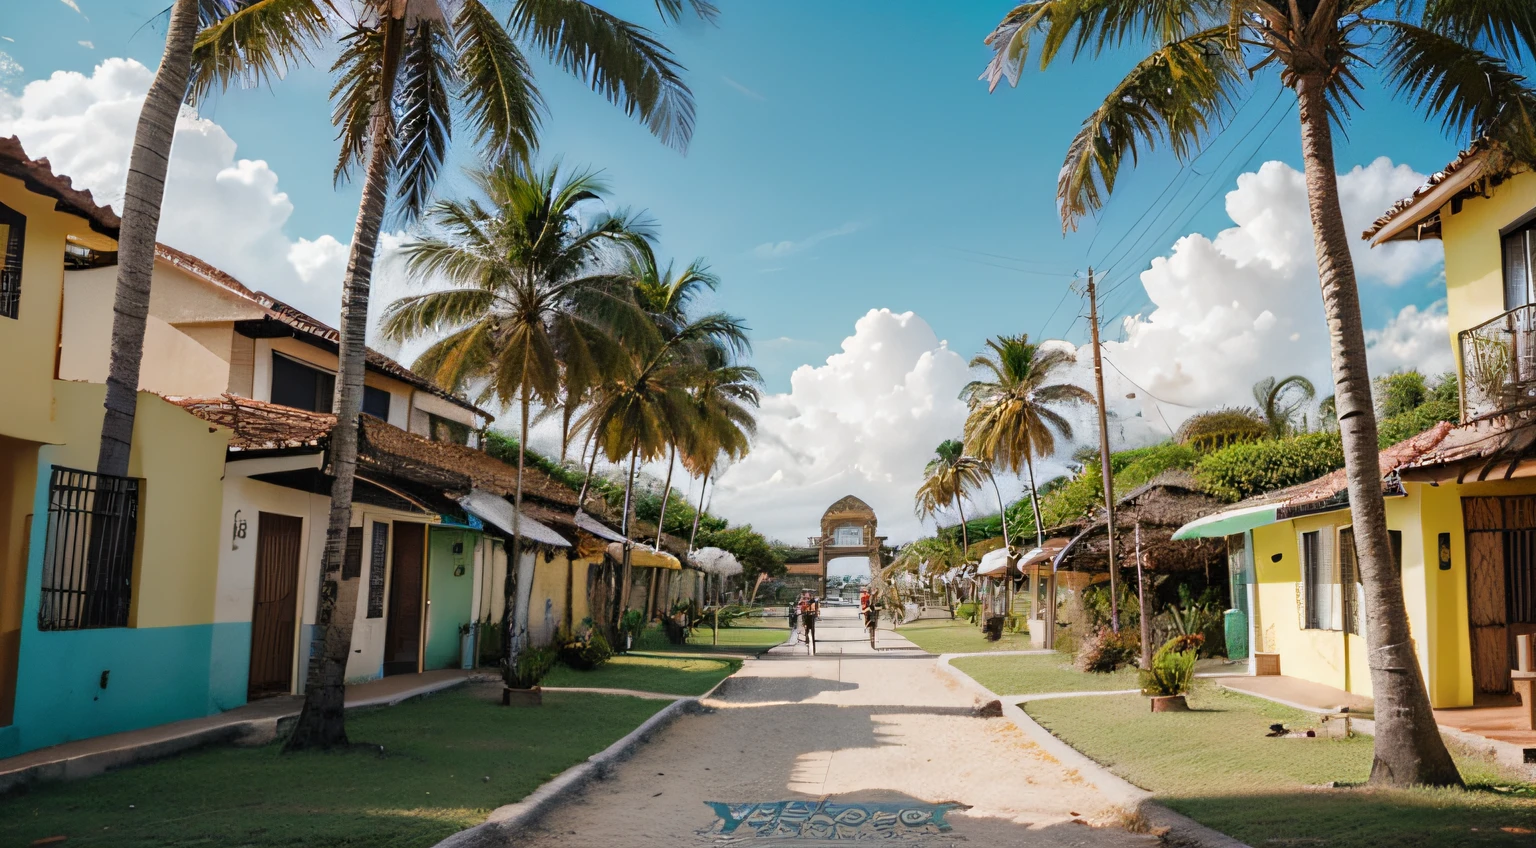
[1460, 500]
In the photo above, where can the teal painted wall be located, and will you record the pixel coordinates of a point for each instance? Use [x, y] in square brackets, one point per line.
[157, 674]
[451, 596]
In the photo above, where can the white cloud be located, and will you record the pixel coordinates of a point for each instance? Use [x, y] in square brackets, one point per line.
[224, 209]
[863, 423]
[777, 249]
[71, 4]
[1246, 305]
[9, 68]
[87, 45]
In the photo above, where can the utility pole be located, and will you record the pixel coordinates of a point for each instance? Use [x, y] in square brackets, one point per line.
[1109, 477]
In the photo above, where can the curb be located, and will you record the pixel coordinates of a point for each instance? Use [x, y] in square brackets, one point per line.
[506, 822]
[1118, 790]
[251, 732]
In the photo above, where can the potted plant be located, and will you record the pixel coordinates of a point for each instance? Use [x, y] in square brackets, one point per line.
[586, 651]
[1172, 672]
[629, 625]
[522, 676]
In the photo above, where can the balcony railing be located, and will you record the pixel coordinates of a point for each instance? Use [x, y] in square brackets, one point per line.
[1498, 363]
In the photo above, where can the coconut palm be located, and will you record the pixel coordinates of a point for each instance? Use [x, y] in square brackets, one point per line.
[536, 301]
[724, 395]
[405, 70]
[1013, 411]
[1447, 57]
[639, 413]
[1282, 401]
[947, 479]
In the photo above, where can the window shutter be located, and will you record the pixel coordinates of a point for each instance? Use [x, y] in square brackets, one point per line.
[1516, 270]
[1304, 597]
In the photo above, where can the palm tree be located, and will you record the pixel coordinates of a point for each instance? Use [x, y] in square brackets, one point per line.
[724, 395]
[947, 479]
[401, 66]
[535, 302]
[1449, 57]
[1013, 416]
[1281, 401]
[639, 413]
[142, 194]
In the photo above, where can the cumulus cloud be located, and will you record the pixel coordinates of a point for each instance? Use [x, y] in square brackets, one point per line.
[1231, 310]
[778, 249]
[863, 423]
[225, 209]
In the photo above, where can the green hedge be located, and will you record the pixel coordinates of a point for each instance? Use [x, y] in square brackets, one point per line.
[1248, 469]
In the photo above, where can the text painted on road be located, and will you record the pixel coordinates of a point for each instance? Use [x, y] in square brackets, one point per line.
[824, 820]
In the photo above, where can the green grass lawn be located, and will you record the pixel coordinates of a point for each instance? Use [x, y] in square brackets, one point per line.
[749, 636]
[1023, 675]
[958, 636]
[647, 672]
[1215, 765]
[428, 783]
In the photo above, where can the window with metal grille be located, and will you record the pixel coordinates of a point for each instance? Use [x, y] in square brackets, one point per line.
[1349, 581]
[1320, 582]
[13, 235]
[93, 526]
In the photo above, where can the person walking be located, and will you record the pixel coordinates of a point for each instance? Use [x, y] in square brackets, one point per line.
[810, 608]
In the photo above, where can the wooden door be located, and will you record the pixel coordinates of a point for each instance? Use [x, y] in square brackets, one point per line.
[274, 609]
[402, 633]
[1501, 583]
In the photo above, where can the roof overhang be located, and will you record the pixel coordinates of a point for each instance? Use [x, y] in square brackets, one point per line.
[994, 563]
[597, 528]
[1228, 522]
[640, 557]
[498, 511]
[1412, 222]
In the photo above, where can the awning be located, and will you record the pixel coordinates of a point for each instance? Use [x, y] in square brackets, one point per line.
[497, 510]
[597, 528]
[1044, 553]
[641, 557]
[1227, 523]
[993, 563]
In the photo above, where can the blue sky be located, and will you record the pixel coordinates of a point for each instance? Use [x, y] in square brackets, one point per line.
[846, 157]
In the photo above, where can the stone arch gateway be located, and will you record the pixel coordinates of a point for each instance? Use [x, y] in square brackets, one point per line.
[849, 528]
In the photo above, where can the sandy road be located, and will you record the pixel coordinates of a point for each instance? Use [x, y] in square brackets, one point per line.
[850, 745]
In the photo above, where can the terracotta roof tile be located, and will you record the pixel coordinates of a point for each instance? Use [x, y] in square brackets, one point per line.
[38, 176]
[1401, 206]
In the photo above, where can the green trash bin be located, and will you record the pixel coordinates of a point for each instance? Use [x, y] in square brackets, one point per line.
[1236, 625]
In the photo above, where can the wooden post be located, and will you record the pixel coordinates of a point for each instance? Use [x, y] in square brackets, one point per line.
[1109, 477]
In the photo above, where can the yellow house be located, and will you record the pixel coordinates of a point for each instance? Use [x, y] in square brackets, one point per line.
[107, 584]
[1461, 501]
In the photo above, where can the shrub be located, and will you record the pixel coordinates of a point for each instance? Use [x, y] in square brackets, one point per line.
[968, 611]
[631, 622]
[1172, 671]
[528, 669]
[1105, 650]
[1243, 470]
[1408, 424]
[587, 652]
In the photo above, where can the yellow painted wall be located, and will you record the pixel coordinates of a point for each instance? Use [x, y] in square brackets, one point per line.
[29, 341]
[1473, 265]
[18, 482]
[180, 529]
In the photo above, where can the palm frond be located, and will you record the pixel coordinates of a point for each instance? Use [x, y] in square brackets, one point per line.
[617, 59]
[1506, 26]
[427, 82]
[252, 42]
[500, 98]
[673, 11]
[1174, 96]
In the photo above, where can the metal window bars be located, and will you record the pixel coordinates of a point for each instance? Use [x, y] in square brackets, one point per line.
[13, 233]
[89, 548]
[1499, 363]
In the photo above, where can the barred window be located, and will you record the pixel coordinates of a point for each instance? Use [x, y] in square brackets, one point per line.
[13, 234]
[93, 528]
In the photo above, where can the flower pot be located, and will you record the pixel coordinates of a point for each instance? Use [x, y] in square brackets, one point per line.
[1169, 704]
[522, 697]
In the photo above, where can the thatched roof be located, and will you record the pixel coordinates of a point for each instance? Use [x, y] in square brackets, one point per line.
[1159, 507]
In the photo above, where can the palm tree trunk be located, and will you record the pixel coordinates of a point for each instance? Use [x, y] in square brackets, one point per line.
[666, 492]
[698, 512]
[586, 482]
[1408, 747]
[322, 721]
[519, 590]
[1002, 512]
[629, 488]
[565, 429]
[1034, 502]
[136, 245]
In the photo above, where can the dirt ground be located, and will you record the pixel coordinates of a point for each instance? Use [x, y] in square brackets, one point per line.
[853, 744]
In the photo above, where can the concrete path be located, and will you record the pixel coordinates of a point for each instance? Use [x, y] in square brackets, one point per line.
[852, 744]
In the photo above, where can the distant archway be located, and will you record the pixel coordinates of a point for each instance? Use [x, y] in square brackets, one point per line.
[849, 528]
